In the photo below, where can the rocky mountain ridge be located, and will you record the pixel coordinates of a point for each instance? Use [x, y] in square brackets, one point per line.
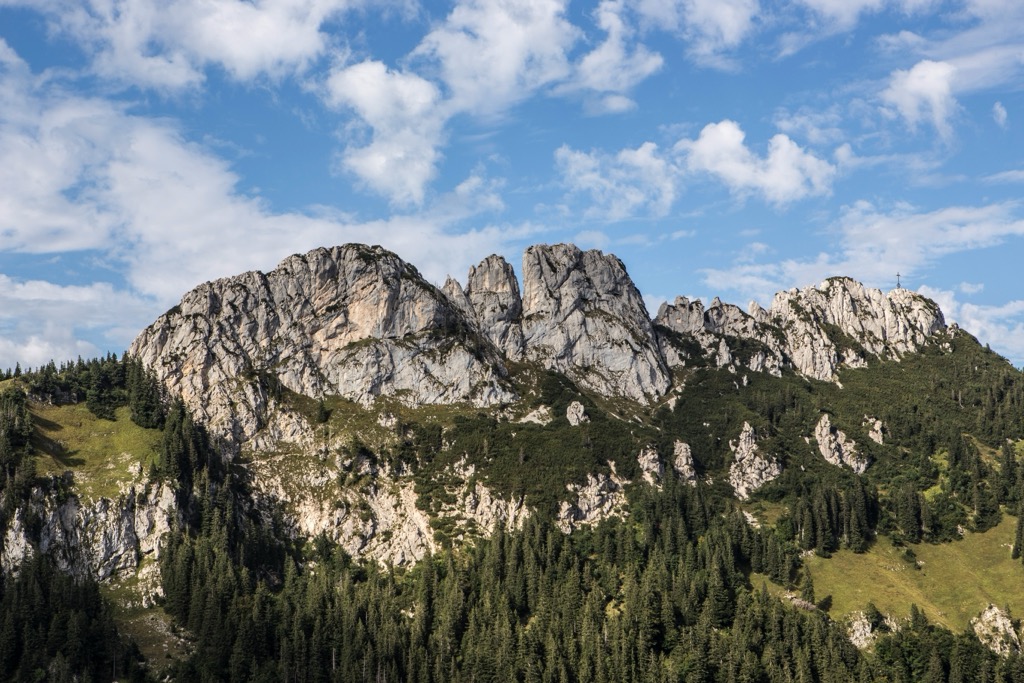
[358, 322]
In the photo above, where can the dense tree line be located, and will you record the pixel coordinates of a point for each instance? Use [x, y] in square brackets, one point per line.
[56, 628]
[104, 384]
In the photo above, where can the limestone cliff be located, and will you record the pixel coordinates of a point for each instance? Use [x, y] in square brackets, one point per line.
[352, 321]
[815, 330]
[583, 316]
[102, 539]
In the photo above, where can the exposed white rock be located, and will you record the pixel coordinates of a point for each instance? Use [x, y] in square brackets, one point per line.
[540, 415]
[713, 327]
[860, 632]
[478, 510]
[493, 293]
[682, 462]
[875, 429]
[599, 498]
[750, 470]
[651, 466]
[453, 290]
[584, 317]
[17, 547]
[885, 325]
[995, 630]
[807, 329]
[353, 321]
[102, 540]
[836, 448]
[576, 414]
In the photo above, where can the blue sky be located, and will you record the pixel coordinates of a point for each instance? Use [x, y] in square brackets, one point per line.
[726, 148]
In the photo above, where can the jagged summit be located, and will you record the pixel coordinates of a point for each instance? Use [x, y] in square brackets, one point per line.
[359, 322]
[814, 331]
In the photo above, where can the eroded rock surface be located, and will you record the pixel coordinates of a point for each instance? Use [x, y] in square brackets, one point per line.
[351, 321]
[815, 330]
[995, 630]
[600, 497]
[750, 469]
[836, 448]
[102, 539]
[583, 316]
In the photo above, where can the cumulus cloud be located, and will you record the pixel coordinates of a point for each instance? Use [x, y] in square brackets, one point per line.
[401, 110]
[491, 54]
[631, 182]
[785, 174]
[924, 93]
[168, 43]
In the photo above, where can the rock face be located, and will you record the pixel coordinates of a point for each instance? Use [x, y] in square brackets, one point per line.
[493, 292]
[576, 414]
[815, 330]
[600, 497]
[651, 466]
[836, 448]
[353, 321]
[884, 325]
[750, 470]
[584, 317]
[682, 463]
[101, 540]
[994, 629]
[875, 429]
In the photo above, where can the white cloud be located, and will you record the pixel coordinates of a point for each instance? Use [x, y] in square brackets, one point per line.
[785, 174]
[42, 321]
[817, 127]
[407, 126]
[842, 14]
[1014, 176]
[491, 54]
[168, 43]
[711, 27]
[632, 182]
[1001, 326]
[924, 93]
[971, 287]
[999, 114]
[873, 245]
[613, 67]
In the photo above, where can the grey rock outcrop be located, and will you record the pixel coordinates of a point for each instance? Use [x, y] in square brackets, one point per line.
[884, 325]
[750, 470]
[815, 330]
[602, 496]
[995, 630]
[101, 540]
[876, 429]
[836, 448]
[576, 414]
[353, 321]
[650, 465]
[682, 462]
[493, 293]
[584, 317]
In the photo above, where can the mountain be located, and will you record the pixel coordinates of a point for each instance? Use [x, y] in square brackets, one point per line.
[340, 412]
